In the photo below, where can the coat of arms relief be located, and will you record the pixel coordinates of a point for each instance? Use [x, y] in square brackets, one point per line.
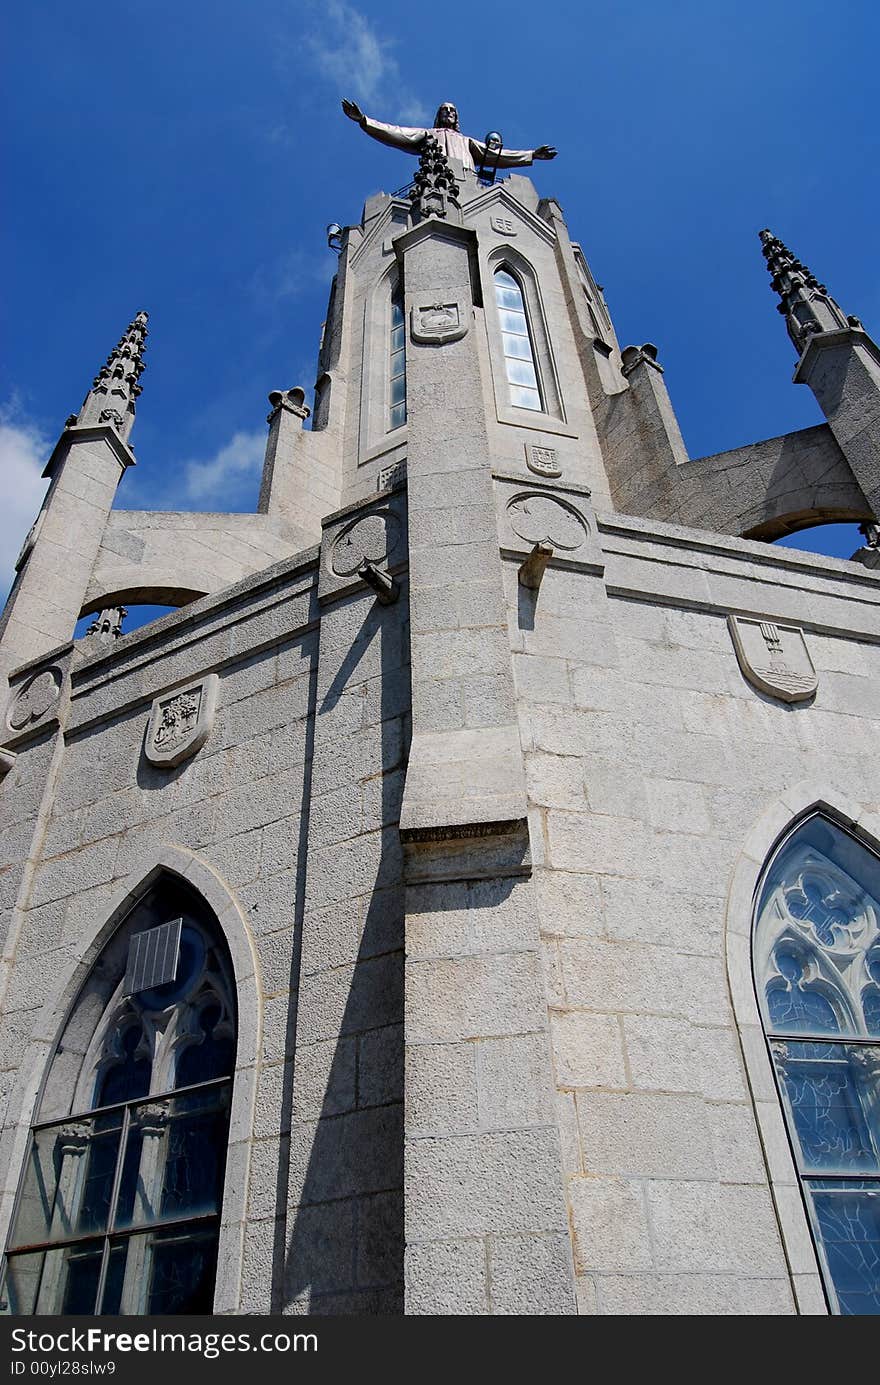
[774, 658]
[180, 723]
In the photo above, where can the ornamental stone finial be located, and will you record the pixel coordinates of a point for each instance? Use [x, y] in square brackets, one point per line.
[805, 304]
[435, 189]
[111, 400]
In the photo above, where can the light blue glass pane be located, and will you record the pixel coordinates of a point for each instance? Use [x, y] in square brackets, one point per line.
[509, 298]
[848, 1220]
[522, 373]
[502, 277]
[871, 1007]
[397, 338]
[398, 389]
[398, 363]
[398, 415]
[68, 1180]
[832, 1091]
[21, 1282]
[807, 904]
[396, 313]
[524, 398]
[793, 1007]
[520, 347]
[513, 322]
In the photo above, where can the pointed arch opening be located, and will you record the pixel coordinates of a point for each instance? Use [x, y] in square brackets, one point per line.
[527, 391]
[517, 345]
[816, 970]
[120, 1200]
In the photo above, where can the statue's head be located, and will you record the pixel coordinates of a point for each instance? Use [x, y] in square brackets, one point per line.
[446, 117]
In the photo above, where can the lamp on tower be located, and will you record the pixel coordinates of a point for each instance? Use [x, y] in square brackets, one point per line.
[489, 163]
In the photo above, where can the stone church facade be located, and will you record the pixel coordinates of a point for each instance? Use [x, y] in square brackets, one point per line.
[433, 907]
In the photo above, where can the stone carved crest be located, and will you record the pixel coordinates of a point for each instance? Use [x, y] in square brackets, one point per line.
[538, 518]
[774, 658]
[391, 475]
[370, 538]
[503, 225]
[543, 461]
[180, 723]
[35, 699]
[438, 323]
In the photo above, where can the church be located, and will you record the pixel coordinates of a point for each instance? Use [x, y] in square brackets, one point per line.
[467, 900]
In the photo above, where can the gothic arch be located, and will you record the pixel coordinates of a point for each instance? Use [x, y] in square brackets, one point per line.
[779, 820]
[172, 861]
[145, 591]
[515, 262]
[376, 435]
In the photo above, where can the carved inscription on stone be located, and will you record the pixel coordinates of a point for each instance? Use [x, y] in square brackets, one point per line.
[180, 723]
[774, 658]
[371, 538]
[438, 323]
[538, 518]
[503, 225]
[544, 461]
[35, 699]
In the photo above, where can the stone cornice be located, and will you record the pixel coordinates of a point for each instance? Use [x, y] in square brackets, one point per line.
[820, 341]
[99, 432]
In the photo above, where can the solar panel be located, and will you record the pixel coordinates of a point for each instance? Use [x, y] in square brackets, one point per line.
[152, 958]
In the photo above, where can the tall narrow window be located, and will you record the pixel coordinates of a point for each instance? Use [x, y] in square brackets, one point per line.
[397, 416]
[119, 1206]
[519, 355]
[817, 970]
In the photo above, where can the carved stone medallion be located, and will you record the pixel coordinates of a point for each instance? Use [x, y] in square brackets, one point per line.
[369, 538]
[35, 699]
[537, 518]
[503, 225]
[543, 461]
[438, 323]
[180, 723]
[774, 658]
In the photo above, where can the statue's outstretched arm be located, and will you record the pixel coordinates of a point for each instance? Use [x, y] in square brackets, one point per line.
[398, 136]
[511, 158]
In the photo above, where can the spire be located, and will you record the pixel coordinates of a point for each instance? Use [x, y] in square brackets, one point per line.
[806, 304]
[434, 189]
[115, 387]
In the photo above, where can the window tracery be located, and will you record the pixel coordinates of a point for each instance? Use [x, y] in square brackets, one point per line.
[119, 1205]
[816, 964]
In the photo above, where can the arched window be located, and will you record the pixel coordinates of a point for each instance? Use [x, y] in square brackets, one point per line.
[397, 394]
[119, 1205]
[816, 955]
[516, 342]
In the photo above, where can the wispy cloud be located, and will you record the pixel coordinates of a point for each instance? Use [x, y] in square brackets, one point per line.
[24, 449]
[226, 479]
[294, 274]
[348, 52]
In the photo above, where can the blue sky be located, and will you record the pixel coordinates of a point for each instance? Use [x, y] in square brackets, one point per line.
[185, 158]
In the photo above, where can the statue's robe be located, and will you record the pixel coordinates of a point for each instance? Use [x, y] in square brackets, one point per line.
[454, 144]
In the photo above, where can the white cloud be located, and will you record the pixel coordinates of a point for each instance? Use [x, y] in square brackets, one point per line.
[227, 478]
[24, 451]
[359, 62]
[293, 274]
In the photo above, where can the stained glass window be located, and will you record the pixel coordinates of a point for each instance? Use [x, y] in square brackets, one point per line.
[516, 342]
[817, 959]
[119, 1205]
